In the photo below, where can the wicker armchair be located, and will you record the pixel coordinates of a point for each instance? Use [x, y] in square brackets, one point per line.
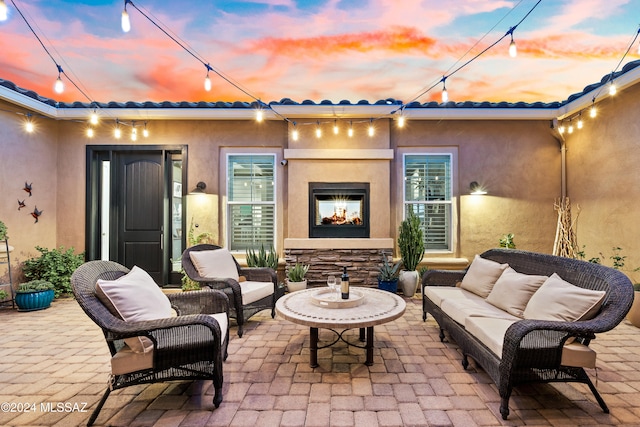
[242, 308]
[191, 346]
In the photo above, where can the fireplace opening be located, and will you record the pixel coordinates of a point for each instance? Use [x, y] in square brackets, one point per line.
[339, 209]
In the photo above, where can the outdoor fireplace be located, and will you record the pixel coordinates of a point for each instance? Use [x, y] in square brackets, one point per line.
[339, 209]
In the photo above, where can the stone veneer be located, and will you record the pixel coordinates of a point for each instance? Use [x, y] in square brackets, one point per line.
[362, 264]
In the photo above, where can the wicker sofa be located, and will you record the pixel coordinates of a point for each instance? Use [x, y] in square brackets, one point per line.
[523, 344]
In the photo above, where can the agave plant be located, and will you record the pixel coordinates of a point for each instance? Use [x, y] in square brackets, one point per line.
[388, 272]
[297, 272]
[262, 258]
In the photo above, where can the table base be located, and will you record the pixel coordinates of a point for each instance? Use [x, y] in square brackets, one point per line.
[313, 333]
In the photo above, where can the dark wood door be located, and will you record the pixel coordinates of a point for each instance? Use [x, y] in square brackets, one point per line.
[139, 201]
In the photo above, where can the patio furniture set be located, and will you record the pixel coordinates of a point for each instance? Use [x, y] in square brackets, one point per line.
[153, 337]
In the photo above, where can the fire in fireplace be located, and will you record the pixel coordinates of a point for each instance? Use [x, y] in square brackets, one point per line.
[339, 209]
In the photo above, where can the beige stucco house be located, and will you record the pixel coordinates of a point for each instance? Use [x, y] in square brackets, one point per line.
[514, 151]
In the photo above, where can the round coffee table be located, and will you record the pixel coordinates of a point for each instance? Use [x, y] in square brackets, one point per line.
[377, 307]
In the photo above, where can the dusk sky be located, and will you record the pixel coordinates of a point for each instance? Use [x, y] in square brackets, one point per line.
[318, 50]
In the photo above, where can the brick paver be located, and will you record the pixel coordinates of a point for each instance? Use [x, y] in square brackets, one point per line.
[59, 356]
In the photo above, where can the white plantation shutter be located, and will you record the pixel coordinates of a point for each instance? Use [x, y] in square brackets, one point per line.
[428, 192]
[251, 203]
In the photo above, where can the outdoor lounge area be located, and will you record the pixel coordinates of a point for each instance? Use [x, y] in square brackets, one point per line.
[57, 355]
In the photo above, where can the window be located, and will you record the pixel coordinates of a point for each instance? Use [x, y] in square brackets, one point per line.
[251, 203]
[428, 192]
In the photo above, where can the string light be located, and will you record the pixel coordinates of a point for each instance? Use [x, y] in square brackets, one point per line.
[336, 129]
[125, 21]
[145, 131]
[372, 130]
[570, 128]
[117, 132]
[593, 112]
[401, 120]
[350, 131]
[513, 50]
[561, 129]
[94, 119]
[28, 125]
[580, 122]
[612, 88]
[3, 11]
[294, 134]
[445, 94]
[318, 130]
[207, 80]
[59, 85]
[259, 115]
[90, 132]
[134, 132]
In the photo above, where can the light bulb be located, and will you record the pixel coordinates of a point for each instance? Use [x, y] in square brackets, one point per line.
[445, 95]
[561, 129]
[612, 89]
[28, 126]
[372, 130]
[207, 83]
[3, 11]
[350, 131]
[134, 134]
[513, 50]
[145, 132]
[580, 123]
[570, 129]
[318, 131]
[593, 112]
[59, 85]
[295, 135]
[93, 119]
[125, 21]
[117, 133]
[401, 121]
[90, 132]
[336, 129]
[259, 116]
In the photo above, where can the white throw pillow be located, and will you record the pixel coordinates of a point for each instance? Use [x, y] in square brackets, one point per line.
[482, 275]
[560, 300]
[135, 297]
[216, 263]
[513, 291]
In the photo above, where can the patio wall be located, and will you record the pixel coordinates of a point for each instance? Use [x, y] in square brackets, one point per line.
[518, 162]
[604, 179]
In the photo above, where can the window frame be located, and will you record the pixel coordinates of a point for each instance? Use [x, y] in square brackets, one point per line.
[227, 153]
[452, 152]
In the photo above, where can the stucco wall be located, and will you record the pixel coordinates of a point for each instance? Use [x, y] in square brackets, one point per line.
[30, 157]
[603, 176]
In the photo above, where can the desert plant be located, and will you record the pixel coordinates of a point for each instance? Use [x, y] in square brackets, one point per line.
[262, 258]
[34, 286]
[297, 272]
[507, 241]
[3, 231]
[54, 266]
[189, 284]
[3, 294]
[388, 272]
[411, 241]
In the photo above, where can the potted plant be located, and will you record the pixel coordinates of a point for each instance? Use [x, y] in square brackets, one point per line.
[54, 266]
[3, 231]
[411, 244]
[388, 275]
[634, 313]
[295, 277]
[34, 295]
[262, 258]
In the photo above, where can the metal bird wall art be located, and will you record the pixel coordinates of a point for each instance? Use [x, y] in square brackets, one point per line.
[36, 213]
[21, 204]
[27, 187]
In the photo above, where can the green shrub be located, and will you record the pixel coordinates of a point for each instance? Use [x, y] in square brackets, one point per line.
[3, 231]
[34, 286]
[54, 266]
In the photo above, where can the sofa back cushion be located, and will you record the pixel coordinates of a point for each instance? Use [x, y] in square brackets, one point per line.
[558, 299]
[482, 275]
[216, 263]
[513, 291]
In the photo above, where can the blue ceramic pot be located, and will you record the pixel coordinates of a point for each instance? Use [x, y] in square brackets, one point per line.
[31, 301]
[391, 286]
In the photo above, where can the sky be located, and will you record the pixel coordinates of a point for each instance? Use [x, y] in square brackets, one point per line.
[316, 50]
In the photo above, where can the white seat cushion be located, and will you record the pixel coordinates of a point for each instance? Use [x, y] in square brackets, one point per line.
[472, 306]
[126, 360]
[254, 291]
[216, 263]
[437, 294]
[134, 297]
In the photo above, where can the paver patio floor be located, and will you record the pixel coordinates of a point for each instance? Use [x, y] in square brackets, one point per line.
[58, 356]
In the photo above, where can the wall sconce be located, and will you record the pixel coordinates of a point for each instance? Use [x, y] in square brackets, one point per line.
[476, 189]
[200, 186]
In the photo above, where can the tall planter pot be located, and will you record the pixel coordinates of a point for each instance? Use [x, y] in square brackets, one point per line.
[32, 301]
[634, 314]
[408, 282]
